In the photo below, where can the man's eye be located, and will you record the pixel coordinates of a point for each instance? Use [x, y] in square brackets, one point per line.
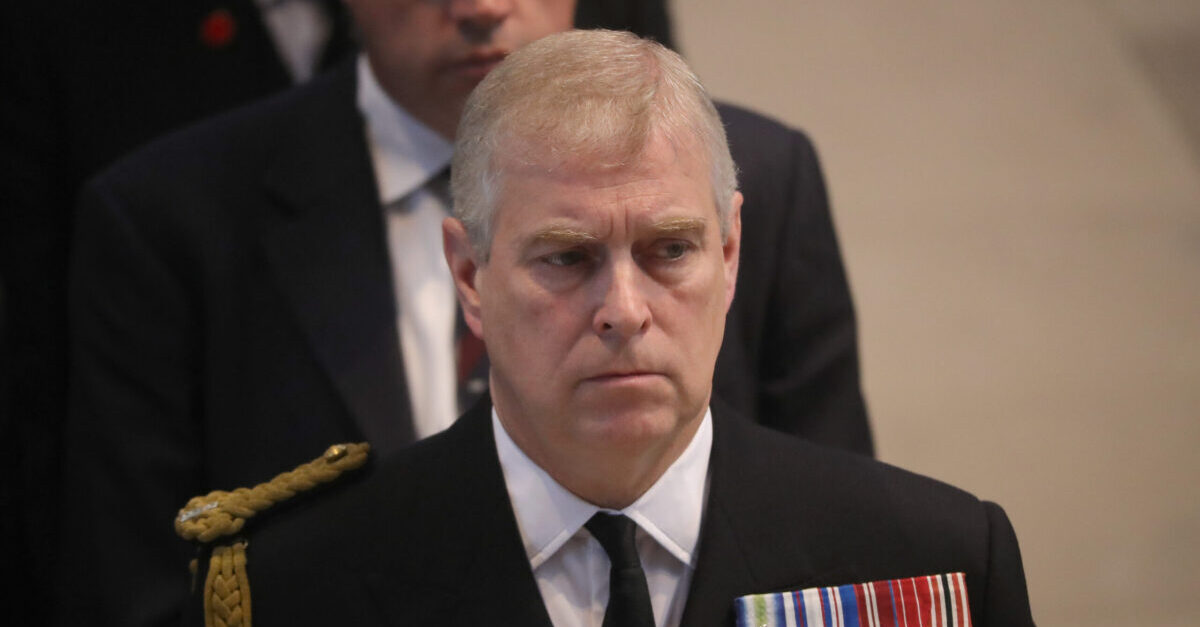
[674, 249]
[565, 258]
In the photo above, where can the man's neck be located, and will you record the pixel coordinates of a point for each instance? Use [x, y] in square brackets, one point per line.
[405, 153]
[440, 117]
[608, 477]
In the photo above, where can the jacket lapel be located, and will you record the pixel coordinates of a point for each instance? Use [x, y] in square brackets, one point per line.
[737, 552]
[325, 241]
[471, 567]
[723, 566]
[498, 587]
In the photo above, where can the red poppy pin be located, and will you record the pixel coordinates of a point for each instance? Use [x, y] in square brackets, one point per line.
[217, 29]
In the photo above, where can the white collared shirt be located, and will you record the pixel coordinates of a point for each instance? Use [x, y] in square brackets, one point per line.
[570, 566]
[299, 29]
[406, 156]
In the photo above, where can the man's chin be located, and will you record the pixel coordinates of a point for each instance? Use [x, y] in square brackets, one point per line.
[626, 422]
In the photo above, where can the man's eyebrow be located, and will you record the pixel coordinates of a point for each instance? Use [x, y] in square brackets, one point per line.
[565, 235]
[562, 235]
[679, 225]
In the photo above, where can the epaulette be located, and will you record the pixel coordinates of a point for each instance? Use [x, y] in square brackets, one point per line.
[216, 519]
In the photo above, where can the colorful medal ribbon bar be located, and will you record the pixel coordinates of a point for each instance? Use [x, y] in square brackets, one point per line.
[928, 601]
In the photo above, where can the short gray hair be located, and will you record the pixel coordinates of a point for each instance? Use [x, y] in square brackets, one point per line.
[586, 93]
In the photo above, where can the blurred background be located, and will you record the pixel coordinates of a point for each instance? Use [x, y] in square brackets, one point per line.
[1016, 185]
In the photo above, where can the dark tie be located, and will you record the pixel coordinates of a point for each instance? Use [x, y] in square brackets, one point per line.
[628, 594]
[341, 43]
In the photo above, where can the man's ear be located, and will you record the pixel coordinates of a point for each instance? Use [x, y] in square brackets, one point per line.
[732, 247]
[464, 268]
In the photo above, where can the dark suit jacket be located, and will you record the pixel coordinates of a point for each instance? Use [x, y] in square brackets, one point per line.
[233, 314]
[430, 538]
[82, 83]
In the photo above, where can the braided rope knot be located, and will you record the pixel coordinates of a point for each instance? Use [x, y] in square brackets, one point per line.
[223, 513]
[218, 514]
[227, 590]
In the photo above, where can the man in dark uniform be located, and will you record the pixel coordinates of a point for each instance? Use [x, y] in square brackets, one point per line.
[595, 249]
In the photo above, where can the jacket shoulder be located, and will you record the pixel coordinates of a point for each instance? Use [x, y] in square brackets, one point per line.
[860, 484]
[750, 132]
[220, 514]
[216, 522]
[236, 139]
[811, 516]
[407, 528]
[845, 511]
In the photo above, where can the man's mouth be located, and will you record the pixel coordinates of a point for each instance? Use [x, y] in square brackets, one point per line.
[624, 376]
[476, 65]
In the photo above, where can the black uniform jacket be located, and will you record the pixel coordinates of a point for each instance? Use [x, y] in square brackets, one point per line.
[429, 537]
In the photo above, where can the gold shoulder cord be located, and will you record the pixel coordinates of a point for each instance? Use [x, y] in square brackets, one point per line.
[219, 515]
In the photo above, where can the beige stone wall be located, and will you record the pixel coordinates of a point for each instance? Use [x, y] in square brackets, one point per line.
[1017, 189]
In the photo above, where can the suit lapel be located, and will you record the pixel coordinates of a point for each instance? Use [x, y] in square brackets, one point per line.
[478, 573]
[325, 242]
[498, 585]
[721, 571]
[723, 567]
[737, 552]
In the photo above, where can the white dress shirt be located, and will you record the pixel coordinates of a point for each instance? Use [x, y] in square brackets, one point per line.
[300, 29]
[570, 566]
[406, 156]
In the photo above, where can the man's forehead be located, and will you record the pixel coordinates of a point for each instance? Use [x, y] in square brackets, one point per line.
[526, 153]
[657, 177]
[558, 169]
[557, 203]
[546, 193]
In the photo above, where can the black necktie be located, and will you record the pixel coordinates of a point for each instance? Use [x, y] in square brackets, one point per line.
[341, 43]
[628, 594]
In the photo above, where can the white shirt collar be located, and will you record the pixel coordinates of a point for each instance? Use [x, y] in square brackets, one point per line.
[405, 153]
[548, 514]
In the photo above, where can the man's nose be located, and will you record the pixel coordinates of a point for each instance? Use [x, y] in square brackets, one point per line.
[477, 19]
[624, 309]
